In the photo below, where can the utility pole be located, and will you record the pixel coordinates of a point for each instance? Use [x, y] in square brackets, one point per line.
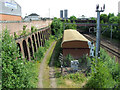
[98, 30]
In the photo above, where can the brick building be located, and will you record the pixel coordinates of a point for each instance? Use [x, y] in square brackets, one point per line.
[10, 11]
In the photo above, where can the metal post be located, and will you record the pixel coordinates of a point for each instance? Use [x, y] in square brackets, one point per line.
[98, 35]
[98, 30]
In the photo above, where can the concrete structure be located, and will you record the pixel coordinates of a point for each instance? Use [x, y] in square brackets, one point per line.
[61, 14]
[74, 44]
[10, 11]
[32, 16]
[119, 7]
[66, 14]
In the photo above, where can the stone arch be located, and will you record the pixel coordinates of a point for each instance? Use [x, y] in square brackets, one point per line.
[25, 49]
[30, 47]
[36, 40]
[39, 38]
[19, 48]
[33, 39]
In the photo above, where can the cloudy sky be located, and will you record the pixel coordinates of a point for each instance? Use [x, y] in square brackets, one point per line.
[75, 7]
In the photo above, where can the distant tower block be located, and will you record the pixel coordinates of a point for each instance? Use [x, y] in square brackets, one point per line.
[66, 14]
[61, 14]
[119, 7]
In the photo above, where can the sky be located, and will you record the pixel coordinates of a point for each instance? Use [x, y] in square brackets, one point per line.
[46, 8]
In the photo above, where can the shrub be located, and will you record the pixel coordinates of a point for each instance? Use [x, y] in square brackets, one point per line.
[57, 27]
[67, 60]
[16, 72]
[100, 76]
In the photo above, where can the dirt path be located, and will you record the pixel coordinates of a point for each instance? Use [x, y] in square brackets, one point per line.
[42, 66]
[52, 72]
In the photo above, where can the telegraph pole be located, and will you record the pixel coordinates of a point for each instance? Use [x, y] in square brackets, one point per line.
[98, 30]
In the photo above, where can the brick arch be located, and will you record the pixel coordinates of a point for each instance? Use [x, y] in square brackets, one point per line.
[36, 36]
[39, 38]
[42, 38]
[25, 49]
[19, 48]
[30, 47]
[34, 46]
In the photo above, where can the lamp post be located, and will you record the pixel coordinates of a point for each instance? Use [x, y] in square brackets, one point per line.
[98, 29]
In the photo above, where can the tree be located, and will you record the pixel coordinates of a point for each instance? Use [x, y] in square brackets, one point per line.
[110, 15]
[57, 27]
[104, 17]
[73, 18]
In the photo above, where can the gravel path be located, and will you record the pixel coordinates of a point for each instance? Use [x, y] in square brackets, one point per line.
[52, 72]
[42, 66]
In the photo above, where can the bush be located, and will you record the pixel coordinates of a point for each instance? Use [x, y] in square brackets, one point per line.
[104, 74]
[16, 72]
[57, 27]
[100, 76]
[67, 60]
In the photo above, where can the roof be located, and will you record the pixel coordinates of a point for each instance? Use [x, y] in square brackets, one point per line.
[33, 14]
[73, 39]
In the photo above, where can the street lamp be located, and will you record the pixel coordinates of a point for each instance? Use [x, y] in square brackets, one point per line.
[98, 29]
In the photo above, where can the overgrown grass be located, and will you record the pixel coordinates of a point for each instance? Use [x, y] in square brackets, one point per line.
[46, 80]
[57, 52]
[73, 80]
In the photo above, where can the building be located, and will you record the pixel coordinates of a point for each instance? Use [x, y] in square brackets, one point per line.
[61, 14]
[119, 7]
[75, 44]
[10, 11]
[66, 14]
[32, 16]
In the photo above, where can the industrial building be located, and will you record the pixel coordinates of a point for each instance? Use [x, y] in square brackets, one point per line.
[10, 11]
[65, 14]
[32, 16]
[61, 14]
[75, 44]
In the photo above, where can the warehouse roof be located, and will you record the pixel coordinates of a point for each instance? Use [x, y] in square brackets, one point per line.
[73, 39]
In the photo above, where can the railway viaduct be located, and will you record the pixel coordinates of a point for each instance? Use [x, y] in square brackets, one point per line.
[29, 44]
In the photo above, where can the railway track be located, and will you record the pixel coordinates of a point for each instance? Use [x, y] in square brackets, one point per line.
[109, 49]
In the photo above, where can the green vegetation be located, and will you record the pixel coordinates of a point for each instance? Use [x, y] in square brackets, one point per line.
[57, 27]
[0, 64]
[41, 50]
[110, 19]
[104, 74]
[46, 80]
[73, 18]
[16, 72]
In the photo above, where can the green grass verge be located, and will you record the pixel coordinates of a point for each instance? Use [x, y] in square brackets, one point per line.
[46, 80]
